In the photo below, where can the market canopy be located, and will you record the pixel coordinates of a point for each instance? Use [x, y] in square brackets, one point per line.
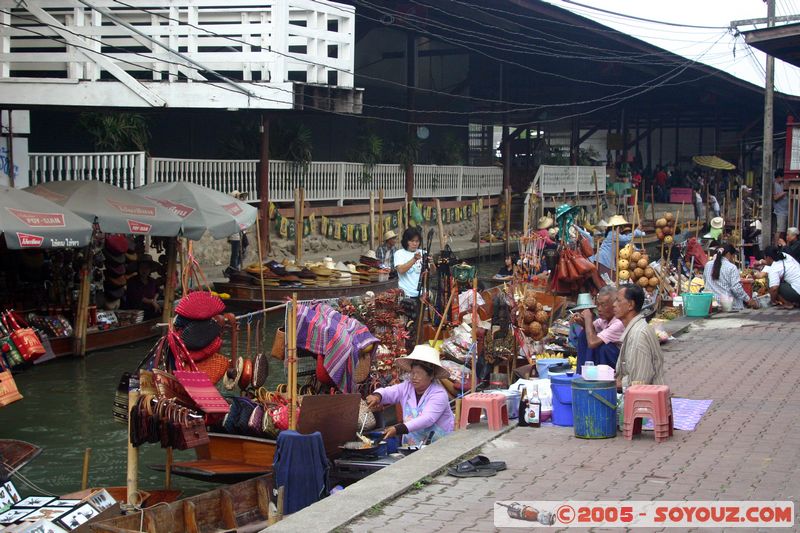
[115, 210]
[712, 161]
[201, 208]
[30, 221]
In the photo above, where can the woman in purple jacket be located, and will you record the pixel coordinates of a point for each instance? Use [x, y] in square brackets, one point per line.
[426, 406]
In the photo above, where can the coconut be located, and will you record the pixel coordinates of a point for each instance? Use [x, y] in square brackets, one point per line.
[661, 222]
[643, 281]
[669, 217]
[649, 272]
[642, 263]
[635, 256]
[624, 275]
[529, 302]
[638, 273]
[646, 258]
[660, 234]
[539, 307]
[653, 282]
[623, 264]
[668, 239]
[625, 253]
[542, 317]
[667, 230]
[528, 316]
[534, 329]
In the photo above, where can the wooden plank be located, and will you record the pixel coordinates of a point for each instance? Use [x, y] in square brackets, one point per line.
[228, 513]
[263, 490]
[190, 517]
[335, 416]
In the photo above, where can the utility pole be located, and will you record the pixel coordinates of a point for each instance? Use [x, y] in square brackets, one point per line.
[767, 172]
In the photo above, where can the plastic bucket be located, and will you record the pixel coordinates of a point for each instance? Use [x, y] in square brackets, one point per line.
[697, 305]
[594, 409]
[512, 401]
[561, 385]
[747, 285]
[543, 366]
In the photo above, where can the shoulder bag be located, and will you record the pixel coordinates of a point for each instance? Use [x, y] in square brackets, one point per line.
[196, 383]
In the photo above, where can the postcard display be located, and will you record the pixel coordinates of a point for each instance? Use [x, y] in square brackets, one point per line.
[47, 514]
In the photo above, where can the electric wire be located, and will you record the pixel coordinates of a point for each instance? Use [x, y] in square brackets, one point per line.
[675, 24]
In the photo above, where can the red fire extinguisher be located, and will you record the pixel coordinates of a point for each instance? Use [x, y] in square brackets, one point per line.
[25, 339]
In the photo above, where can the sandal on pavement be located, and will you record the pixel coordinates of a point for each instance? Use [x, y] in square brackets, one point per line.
[467, 469]
[483, 462]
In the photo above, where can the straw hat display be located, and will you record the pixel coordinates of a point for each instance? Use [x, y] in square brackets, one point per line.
[544, 222]
[425, 354]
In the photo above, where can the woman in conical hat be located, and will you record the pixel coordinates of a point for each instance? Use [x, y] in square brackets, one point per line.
[426, 406]
[618, 235]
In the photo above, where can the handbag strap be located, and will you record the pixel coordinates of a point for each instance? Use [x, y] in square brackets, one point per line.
[155, 352]
[180, 352]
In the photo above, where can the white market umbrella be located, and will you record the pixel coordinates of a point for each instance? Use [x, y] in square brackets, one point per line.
[30, 221]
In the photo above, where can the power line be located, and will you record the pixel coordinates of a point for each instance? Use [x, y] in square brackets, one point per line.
[674, 24]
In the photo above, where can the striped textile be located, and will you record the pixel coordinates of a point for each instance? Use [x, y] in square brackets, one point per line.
[338, 338]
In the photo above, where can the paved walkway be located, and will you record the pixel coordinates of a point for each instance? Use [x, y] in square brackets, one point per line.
[745, 447]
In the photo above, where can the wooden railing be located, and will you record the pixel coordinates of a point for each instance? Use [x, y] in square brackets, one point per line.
[322, 180]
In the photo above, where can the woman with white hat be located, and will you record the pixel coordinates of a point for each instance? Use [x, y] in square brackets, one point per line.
[426, 406]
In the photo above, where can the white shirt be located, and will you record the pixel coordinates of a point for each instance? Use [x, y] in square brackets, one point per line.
[408, 280]
[788, 269]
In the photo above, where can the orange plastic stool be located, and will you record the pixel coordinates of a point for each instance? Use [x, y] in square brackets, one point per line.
[647, 401]
[494, 405]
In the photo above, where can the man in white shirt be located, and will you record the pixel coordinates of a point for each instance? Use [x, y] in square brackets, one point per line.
[784, 277]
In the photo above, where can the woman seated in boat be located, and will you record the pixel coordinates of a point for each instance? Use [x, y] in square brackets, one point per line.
[141, 291]
[506, 271]
[426, 406]
[408, 262]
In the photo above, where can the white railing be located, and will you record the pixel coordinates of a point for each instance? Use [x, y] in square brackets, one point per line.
[123, 169]
[328, 181]
[551, 179]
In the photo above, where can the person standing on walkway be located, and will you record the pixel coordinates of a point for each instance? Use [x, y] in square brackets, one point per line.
[385, 252]
[780, 206]
[641, 361]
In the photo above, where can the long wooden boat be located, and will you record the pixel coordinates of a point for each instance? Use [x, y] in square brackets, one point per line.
[14, 454]
[149, 497]
[243, 507]
[109, 338]
[249, 296]
[233, 458]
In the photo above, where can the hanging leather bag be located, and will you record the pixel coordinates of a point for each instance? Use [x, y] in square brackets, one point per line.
[9, 393]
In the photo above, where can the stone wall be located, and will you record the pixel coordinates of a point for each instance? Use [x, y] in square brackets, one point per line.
[214, 256]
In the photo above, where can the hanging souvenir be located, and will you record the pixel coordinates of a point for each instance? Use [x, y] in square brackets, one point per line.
[312, 221]
[323, 227]
[306, 227]
[290, 229]
[282, 226]
[356, 233]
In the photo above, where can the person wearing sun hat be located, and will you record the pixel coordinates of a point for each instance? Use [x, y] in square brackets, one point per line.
[618, 231]
[425, 403]
[597, 340]
[385, 252]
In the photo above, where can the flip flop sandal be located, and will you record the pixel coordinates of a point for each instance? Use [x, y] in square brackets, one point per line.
[483, 462]
[466, 469]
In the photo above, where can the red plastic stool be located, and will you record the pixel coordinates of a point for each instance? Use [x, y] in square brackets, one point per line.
[647, 401]
[494, 405]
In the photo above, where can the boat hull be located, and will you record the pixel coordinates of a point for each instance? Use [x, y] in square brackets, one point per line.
[249, 296]
[110, 338]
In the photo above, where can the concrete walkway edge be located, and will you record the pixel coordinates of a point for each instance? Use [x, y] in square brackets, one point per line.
[386, 484]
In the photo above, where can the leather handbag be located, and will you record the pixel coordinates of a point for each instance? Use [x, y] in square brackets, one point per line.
[188, 429]
[9, 393]
[197, 385]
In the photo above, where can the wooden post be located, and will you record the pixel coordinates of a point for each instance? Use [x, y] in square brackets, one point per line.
[474, 332]
[708, 203]
[168, 465]
[82, 311]
[508, 220]
[292, 354]
[133, 455]
[478, 228]
[458, 413]
[263, 180]
[442, 237]
[445, 312]
[298, 225]
[87, 455]
[652, 202]
[261, 266]
[372, 239]
[383, 229]
[596, 197]
[171, 281]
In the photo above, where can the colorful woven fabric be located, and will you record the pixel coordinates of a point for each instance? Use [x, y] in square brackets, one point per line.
[338, 338]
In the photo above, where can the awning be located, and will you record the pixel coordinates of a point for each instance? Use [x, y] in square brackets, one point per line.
[712, 161]
[30, 221]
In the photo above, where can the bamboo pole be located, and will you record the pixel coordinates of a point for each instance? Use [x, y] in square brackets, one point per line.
[168, 465]
[445, 311]
[474, 333]
[132, 481]
[261, 266]
[458, 413]
[442, 237]
[82, 310]
[508, 220]
[293, 365]
[372, 220]
[596, 197]
[298, 225]
[380, 214]
[478, 228]
[87, 455]
[171, 280]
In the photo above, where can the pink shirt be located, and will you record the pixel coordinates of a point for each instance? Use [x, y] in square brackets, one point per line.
[609, 332]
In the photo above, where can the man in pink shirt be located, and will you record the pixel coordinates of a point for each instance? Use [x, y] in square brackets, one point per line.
[598, 340]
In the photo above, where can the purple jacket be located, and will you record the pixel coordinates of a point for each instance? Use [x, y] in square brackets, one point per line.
[431, 414]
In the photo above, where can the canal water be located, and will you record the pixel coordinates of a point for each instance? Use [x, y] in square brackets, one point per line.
[67, 408]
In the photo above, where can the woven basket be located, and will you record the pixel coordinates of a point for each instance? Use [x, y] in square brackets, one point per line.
[363, 367]
[200, 305]
[215, 366]
[279, 345]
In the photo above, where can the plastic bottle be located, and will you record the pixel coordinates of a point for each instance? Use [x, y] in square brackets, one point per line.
[523, 408]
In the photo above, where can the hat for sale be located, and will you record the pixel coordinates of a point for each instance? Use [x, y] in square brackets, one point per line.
[117, 244]
[116, 269]
[112, 292]
[200, 305]
[148, 259]
[233, 373]
[113, 257]
[717, 223]
[200, 333]
[118, 281]
[206, 352]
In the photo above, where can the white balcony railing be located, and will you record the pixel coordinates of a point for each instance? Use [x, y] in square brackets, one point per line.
[123, 169]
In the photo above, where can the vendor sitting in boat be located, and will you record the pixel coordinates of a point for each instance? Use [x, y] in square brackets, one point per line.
[142, 290]
[597, 340]
[619, 234]
[506, 271]
[426, 406]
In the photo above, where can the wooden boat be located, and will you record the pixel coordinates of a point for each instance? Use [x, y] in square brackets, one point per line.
[14, 454]
[149, 497]
[489, 282]
[109, 338]
[243, 507]
[248, 296]
[233, 458]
